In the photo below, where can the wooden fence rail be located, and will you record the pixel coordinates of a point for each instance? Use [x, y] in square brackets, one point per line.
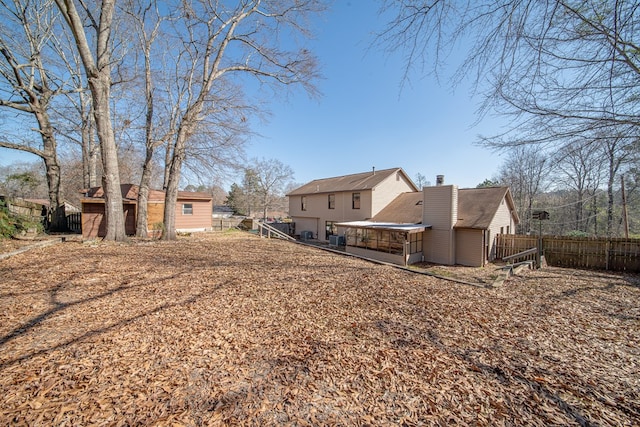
[576, 252]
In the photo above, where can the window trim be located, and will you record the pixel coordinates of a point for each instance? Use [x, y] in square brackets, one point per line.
[187, 209]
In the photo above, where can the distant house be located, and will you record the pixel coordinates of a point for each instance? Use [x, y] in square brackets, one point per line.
[441, 224]
[319, 205]
[193, 211]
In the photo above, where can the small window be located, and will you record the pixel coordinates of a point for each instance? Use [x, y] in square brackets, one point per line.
[187, 209]
[303, 203]
[355, 200]
[332, 201]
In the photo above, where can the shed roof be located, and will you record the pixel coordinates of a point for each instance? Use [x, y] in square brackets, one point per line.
[354, 182]
[130, 193]
[478, 206]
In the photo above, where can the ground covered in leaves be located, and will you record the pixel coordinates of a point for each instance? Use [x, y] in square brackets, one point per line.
[231, 329]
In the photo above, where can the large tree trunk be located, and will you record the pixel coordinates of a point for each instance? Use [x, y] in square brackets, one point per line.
[98, 71]
[171, 192]
[89, 151]
[100, 88]
[143, 195]
[56, 216]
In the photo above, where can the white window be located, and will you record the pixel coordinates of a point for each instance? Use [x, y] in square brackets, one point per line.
[187, 209]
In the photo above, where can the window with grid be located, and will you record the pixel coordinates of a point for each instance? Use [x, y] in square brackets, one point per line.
[332, 201]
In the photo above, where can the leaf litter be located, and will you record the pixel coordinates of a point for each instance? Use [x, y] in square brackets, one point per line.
[230, 329]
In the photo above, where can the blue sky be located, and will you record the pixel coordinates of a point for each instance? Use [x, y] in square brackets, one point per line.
[363, 118]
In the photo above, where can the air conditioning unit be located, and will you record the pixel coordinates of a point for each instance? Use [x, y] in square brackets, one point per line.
[306, 235]
[335, 240]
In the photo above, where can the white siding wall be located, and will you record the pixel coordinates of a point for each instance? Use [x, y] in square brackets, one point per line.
[318, 210]
[440, 210]
[307, 224]
[503, 219]
[469, 247]
[388, 190]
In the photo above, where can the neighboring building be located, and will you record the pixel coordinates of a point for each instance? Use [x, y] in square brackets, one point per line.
[441, 224]
[193, 211]
[318, 206]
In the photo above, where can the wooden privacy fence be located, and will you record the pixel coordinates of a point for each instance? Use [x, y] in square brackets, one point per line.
[576, 252]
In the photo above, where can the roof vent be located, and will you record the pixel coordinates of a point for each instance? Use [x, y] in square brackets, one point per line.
[439, 179]
[374, 170]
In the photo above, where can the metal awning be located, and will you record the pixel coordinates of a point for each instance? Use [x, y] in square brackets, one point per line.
[390, 226]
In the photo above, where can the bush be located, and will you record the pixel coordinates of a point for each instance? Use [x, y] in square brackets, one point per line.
[11, 224]
[7, 223]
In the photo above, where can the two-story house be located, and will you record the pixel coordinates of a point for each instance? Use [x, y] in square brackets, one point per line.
[319, 205]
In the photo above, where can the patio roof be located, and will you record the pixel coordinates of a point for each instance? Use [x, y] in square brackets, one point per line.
[391, 226]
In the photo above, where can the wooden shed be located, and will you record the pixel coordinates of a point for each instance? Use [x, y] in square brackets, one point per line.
[193, 211]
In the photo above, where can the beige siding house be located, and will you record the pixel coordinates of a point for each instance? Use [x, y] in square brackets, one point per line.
[441, 224]
[319, 205]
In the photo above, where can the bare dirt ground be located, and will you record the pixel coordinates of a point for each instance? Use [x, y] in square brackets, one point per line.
[231, 329]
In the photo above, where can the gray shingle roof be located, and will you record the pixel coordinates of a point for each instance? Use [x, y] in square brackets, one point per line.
[354, 182]
[404, 209]
[476, 207]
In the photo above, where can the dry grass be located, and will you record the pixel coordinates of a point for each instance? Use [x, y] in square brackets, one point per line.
[231, 329]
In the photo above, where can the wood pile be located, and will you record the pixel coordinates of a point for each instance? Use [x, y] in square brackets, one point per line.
[231, 329]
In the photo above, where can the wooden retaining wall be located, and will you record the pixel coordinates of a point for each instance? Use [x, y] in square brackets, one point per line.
[615, 254]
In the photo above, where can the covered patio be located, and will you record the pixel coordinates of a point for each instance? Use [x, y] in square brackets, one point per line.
[390, 242]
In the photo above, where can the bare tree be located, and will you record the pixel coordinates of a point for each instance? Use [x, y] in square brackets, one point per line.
[524, 171]
[579, 169]
[421, 181]
[221, 41]
[561, 69]
[98, 25]
[617, 153]
[272, 177]
[28, 86]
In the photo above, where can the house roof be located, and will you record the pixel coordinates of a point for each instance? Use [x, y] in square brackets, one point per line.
[478, 206]
[404, 209]
[130, 193]
[354, 182]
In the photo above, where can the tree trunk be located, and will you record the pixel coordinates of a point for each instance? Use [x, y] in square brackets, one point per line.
[89, 152]
[56, 214]
[98, 73]
[56, 218]
[143, 196]
[171, 192]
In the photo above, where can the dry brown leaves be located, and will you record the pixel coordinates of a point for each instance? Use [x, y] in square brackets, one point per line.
[236, 330]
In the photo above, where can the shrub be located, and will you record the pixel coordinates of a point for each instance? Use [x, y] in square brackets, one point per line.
[11, 224]
[7, 222]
